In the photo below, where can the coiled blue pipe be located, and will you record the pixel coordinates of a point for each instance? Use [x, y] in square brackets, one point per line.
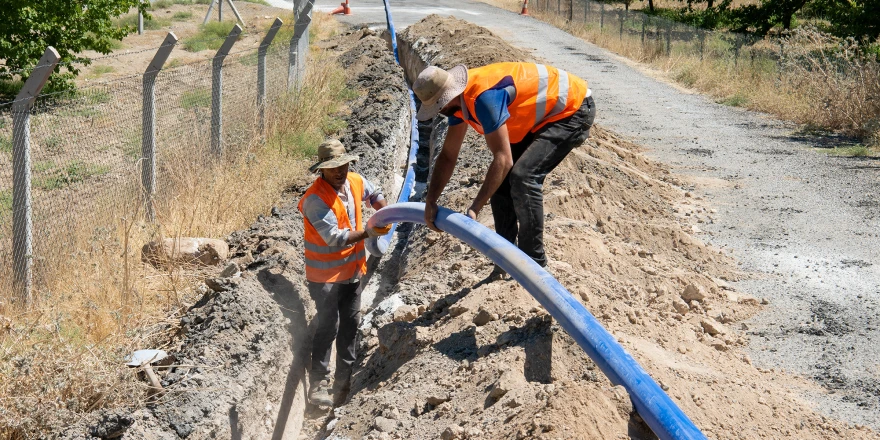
[659, 411]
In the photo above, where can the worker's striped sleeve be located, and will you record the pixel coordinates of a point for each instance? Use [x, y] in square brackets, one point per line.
[372, 194]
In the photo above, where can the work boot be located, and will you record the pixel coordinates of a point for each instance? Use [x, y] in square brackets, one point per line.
[319, 394]
[498, 274]
[341, 392]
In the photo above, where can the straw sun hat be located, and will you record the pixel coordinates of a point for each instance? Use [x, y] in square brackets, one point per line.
[332, 154]
[435, 87]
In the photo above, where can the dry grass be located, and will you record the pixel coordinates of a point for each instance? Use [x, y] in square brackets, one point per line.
[63, 358]
[844, 86]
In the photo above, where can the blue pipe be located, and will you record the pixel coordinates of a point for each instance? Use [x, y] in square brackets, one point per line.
[659, 411]
[378, 246]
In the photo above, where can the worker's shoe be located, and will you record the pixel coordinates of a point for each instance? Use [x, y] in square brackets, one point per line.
[498, 274]
[341, 392]
[319, 394]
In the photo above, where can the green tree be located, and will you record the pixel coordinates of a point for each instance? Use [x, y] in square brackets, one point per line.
[71, 26]
[849, 18]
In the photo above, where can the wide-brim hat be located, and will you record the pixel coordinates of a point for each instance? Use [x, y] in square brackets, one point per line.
[332, 154]
[435, 87]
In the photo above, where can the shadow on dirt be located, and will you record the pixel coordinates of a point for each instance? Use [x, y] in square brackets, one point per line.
[290, 301]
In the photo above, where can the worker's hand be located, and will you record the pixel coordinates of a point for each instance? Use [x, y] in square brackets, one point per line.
[378, 231]
[431, 214]
[472, 213]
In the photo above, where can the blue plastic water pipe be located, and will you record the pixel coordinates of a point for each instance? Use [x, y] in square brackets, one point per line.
[664, 417]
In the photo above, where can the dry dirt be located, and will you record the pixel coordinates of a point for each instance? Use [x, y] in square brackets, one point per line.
[447, 353]
[468, 358]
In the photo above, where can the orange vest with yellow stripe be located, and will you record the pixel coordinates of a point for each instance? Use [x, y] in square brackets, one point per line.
[543, 94]
[331, 264]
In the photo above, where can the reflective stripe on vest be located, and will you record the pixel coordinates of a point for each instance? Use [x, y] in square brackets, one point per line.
[330, 264]
[543, 94]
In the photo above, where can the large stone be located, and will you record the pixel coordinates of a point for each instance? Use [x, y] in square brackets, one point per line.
[406, 313]
[713, 327]
[680, 306]
[483, 317]
[508, 381]
[185, 250]
[693, 293]
[383, 424]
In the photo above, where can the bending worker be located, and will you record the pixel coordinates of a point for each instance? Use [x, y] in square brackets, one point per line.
[335, 262]
[531, 115]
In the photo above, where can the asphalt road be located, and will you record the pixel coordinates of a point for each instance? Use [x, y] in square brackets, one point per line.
[805, 224]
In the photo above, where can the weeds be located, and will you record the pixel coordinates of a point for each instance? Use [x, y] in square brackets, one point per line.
[210, 36]
[152, 24]
[5, 144]
[72, 173]
[182, 15]
[195, 98]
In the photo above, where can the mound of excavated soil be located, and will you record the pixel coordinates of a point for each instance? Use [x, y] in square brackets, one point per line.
[448, 353]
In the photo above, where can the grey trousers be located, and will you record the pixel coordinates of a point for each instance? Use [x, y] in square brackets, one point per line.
[337, 319]
[518, 204]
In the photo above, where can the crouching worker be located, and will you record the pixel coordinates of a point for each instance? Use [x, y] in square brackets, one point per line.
[335, 262]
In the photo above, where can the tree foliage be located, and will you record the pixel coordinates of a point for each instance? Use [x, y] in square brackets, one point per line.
[70, 26]
[843, 18]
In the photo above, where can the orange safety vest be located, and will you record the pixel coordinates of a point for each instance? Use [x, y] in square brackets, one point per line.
[543, 94]
[331, 264]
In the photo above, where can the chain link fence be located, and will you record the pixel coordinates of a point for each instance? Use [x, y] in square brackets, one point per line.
[659, 36]
[77, 168]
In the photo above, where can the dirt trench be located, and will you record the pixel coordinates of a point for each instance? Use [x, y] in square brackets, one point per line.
[238, 356]
[448, 353]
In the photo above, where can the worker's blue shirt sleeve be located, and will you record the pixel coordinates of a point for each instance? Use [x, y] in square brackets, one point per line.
[491, 109]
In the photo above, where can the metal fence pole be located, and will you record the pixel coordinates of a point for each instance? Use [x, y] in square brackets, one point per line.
[622, 17]
[668, 37]
[22, 221]
[140, 20]
[602, 16]
[644, 18]
[217, 91]
[261, 74]
[586, 10]
[570, 11]
[702, 43]
[148, 124]
[299, 47]
[219, 10]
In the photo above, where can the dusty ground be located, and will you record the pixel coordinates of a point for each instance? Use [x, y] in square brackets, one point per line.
[468, 358]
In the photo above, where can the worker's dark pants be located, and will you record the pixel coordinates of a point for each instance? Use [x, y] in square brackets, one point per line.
[338, 317]
[520, 197]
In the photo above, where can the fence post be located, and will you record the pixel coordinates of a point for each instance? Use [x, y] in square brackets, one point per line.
[622, 17]
[299, 44]
[736, 47]
[643, 27]
[702, 43]
[668, 38]
[586, 10]
[22, 222]
[261, 74]
[217, 91]
[140, 20]
[558, 7]
[602, 16]
[570, 11]
[148, 125]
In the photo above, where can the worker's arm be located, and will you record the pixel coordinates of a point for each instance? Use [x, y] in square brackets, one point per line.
[502, 161]
[443, 169]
